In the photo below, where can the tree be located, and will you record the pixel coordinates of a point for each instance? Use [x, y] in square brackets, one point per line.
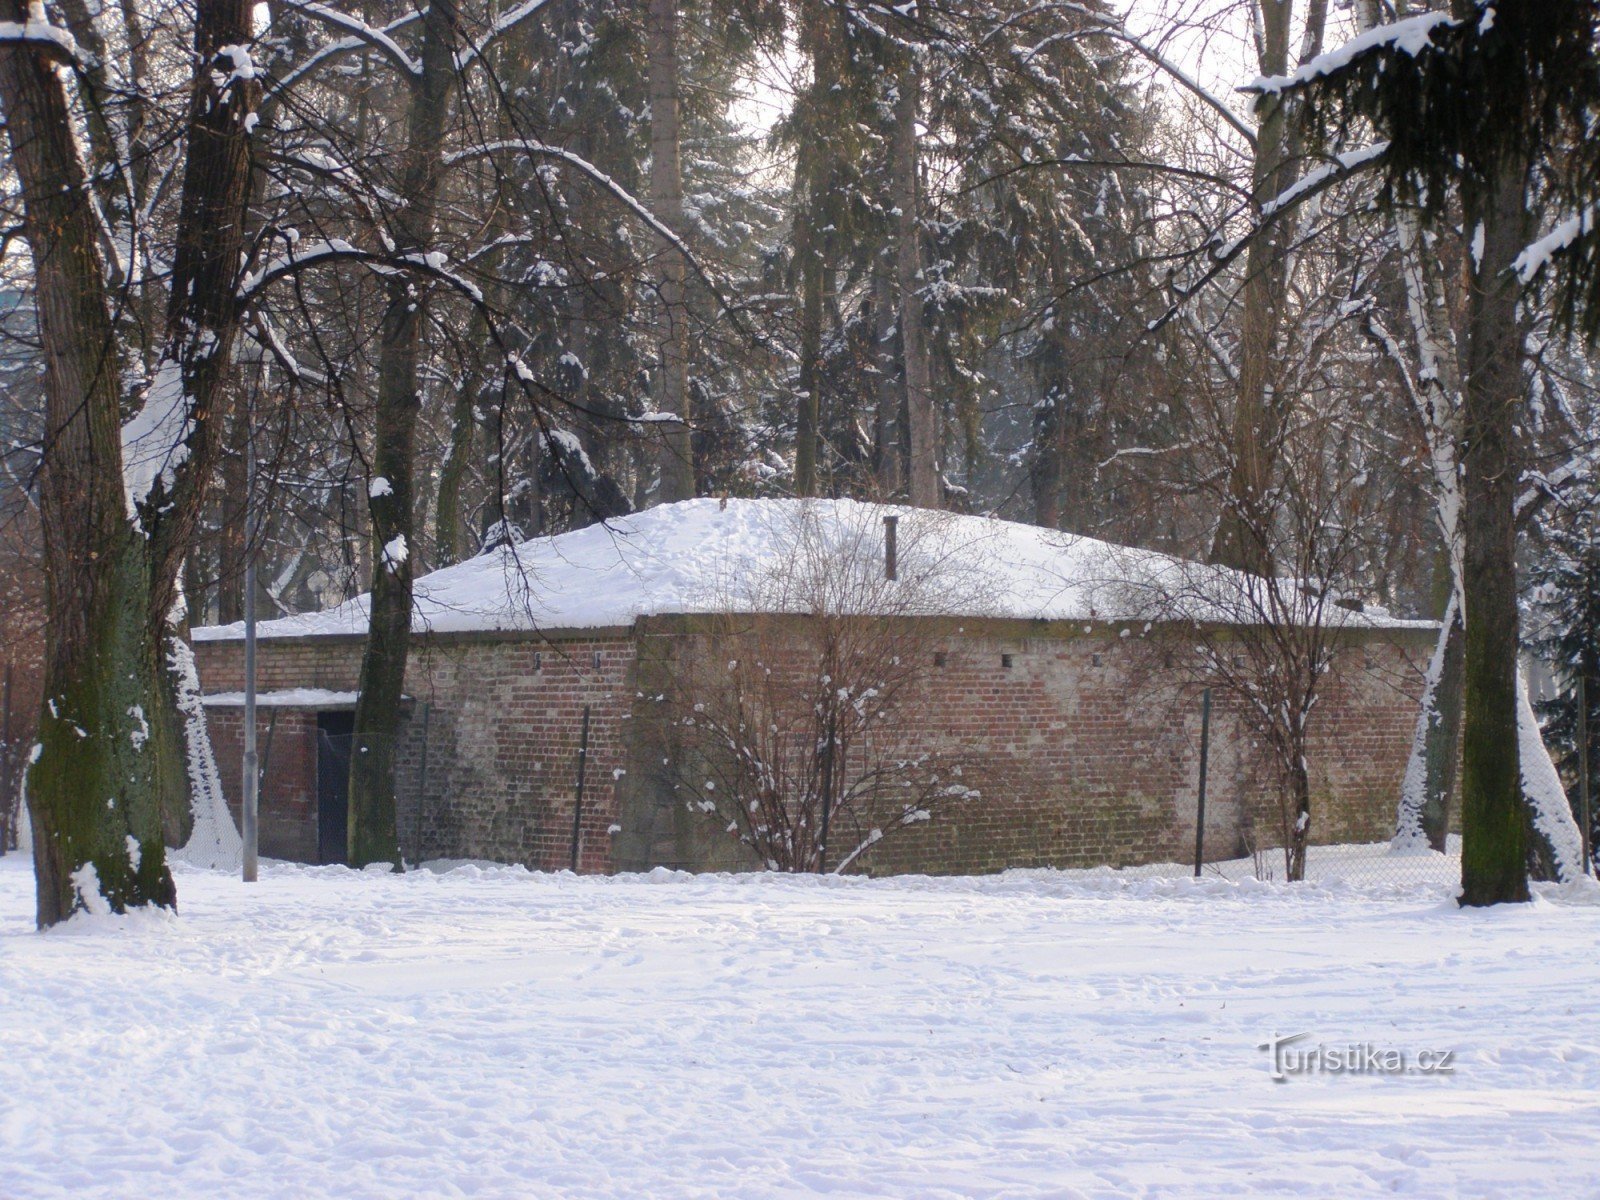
[1275, 165]
[372, 831]
[1270, 642]
[666, 198]
[1471, 106]
[118, 504]
[1566, 582]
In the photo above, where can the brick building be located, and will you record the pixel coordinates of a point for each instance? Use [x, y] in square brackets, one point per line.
[1053, 672]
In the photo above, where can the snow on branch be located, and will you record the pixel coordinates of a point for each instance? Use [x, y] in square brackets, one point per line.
[626, 198]
[502, 24]
[1564, 236]
[360, 31]
[433, 263]
[1411, 37]
[336, 50]
[40, 33]
[1223, 251]
[1342, 165]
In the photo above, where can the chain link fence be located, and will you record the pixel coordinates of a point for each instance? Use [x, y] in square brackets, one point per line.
[1375, 864]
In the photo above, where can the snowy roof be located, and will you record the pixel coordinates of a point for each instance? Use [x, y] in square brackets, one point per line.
[717, 556]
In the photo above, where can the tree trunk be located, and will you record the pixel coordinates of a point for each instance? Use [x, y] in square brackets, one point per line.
[1429, 782]
[1443, 743]
[450, 531]
[891, 396]
[922, 433]
[666, 196]
[1245, 517]
[813, 276]
[372, 832]
[1494, 859]
[108, 763]
[1297, 837]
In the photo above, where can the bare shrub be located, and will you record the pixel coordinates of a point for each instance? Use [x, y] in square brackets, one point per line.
[798, 720]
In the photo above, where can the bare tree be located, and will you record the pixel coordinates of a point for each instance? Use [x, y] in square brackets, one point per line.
[118, 505]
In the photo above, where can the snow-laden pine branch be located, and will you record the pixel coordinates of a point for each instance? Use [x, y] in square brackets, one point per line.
[1564, 236]
[1411, 36]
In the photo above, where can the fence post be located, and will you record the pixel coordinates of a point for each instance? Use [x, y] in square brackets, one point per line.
[1200, 806]
[577, 806]
[827, 794]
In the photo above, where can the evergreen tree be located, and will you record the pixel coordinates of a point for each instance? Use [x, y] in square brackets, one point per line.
[1472, 107]
[1566, 588]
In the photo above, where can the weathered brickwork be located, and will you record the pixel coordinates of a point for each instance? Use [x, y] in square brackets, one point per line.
[488, 754]
[286, 741]
[496, 774]
[1084, 750]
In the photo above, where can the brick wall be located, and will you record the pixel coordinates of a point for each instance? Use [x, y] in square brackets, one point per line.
[286, 740]
[487, 762]
[1084, 749]
[496, 774]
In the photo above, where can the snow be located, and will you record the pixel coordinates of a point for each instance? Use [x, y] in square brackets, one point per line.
[241, 65]
[1549, 810]
[710, 555]
[1410, 36]
[1341, 165]
[155, 441]
[1534, 257]
[395, 552]
[214, 839]
[379, 487]
[86, 884]
[41, 32]
[379, 39]
[305, 697]
[489, 1032]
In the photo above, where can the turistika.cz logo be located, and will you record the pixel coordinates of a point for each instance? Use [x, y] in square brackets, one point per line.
[1292, 1055]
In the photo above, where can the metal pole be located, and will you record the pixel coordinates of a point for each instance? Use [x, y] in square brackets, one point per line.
[1200, 807]
[252, 777]
[827, 795]
[1583, 773]
[577, 807]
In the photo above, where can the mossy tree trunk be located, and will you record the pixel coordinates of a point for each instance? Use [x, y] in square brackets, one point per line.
[373, 836]
[107, 762]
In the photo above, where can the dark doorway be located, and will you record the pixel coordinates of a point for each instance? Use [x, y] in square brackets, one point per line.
[335, 731]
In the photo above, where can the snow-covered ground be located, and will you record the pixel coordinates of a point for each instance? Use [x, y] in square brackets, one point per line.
[486, 1032]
